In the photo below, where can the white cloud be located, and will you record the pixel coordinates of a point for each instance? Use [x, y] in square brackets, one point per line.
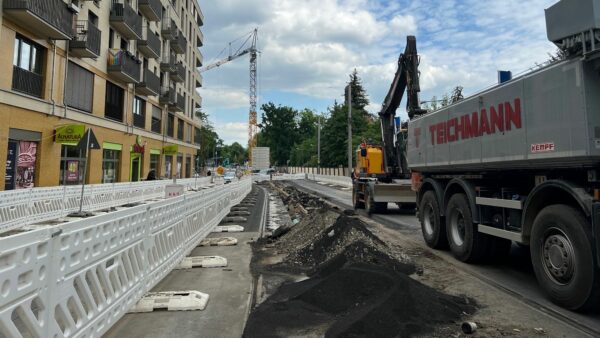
[233, 132]
[223, 97]
[403, 25]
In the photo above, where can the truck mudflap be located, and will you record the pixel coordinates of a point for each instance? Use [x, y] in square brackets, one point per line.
[394, 192]
[596, 230]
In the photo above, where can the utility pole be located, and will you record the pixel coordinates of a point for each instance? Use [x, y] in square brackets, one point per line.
[350, 127]
[319, 146]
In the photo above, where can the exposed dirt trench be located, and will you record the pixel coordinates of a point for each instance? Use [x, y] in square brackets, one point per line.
[327, 275]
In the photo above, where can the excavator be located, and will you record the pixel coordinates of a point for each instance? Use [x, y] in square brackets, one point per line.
[381, 174]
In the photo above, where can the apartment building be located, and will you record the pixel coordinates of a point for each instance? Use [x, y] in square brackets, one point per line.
[126, 69]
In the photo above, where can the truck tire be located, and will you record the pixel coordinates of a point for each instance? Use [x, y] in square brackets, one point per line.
[356, 202]
[434, 231]
[381, 206]
[563, 259]
[466, 243]
[369, 203]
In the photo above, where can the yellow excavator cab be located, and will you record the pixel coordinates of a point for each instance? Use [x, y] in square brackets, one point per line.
[369, 159]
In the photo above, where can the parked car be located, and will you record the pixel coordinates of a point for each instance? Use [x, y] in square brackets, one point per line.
[229, 177]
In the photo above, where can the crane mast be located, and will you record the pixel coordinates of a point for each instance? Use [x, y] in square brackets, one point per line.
[252, 40]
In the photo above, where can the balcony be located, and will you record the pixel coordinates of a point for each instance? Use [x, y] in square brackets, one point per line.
[27, 82]
[179, 43]
[169, 30]
[200, 18]
[86, 42]
[126, 21]
[178, 72]
[167, 96]
[149, 45]
[152, 9]
[200, 41]
[178, 104]
[124, 66]
[150, 84]
[199, 59]
[48, 19]
[168, 63]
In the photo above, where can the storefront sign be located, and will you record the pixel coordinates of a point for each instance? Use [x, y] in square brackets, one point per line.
[11, 165]
[138, 147]
[170, 149]
[69, 134]
[26, 164]
[72, 171]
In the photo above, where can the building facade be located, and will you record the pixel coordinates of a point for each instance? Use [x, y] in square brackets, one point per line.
[125, 69]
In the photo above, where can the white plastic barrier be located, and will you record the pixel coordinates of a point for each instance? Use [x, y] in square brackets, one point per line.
[29, 206]
[77, 279]
[337, 180]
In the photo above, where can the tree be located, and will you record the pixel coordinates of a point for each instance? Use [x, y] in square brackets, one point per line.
[278, 131]
[360, 99]
[307, 124]
[235, 152]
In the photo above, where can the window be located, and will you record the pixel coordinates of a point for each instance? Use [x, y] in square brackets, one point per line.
[156, 119]
[28, 67]
[188, 166]
[197, 136]
[124, 44]
[80, 88]
[110, 165]
[170, 125]
[139, 112]
[188, 135]
[154, 158]
[180, 126]
[93, 18]
[113, 108]
[72, 164]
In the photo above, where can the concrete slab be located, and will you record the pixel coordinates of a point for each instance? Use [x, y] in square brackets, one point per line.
[228, 228]
[219, 241]
[172, 301]
[202, 262]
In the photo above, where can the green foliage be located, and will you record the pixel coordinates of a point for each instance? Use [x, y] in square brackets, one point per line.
[235, 152]
[278, 131]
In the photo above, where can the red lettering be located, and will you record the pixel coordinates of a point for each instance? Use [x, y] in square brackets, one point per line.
[469, 127]
[440, 133]
[432, 132]
[449, 135]
[512, 116]
[484, 124]
[497, 118]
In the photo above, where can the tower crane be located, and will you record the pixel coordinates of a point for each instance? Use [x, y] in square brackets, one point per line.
[247, 47]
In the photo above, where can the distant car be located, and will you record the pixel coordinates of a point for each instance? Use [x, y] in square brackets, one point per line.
[229, 176]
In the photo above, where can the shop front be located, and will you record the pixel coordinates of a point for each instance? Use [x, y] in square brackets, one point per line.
[136, 160]
[72, 158]
[21, 159]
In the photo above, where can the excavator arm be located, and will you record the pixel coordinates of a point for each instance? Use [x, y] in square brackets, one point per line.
[406, 79]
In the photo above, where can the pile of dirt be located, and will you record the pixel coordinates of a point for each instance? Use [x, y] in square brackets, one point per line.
[355, 287]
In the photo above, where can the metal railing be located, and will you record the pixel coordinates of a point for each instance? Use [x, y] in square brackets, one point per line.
[27, 82]
[124, 62]
[167, 96]
[153, 5]
[149, 44]
[53, 12]
[178, 72]
[151, 82]
[77, 279]
[87, 36]
[169, 29]
[179, 44]
[168, 61]
[122, 12]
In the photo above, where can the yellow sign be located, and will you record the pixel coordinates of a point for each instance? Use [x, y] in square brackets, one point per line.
[170, 149]
[69, 134]
[220, 170]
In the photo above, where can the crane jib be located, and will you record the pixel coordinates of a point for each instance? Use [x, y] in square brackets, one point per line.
[500, 118]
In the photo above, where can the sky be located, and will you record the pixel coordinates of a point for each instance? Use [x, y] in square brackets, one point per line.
[308, 49]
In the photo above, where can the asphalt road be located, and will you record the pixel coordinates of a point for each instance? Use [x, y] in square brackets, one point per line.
[513, 275]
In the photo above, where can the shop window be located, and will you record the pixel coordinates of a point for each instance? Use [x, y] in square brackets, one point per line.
[179, 165]
[113, 108]
[167, 166]
[27, 67]
[20, 164]
[154, 159]
[110, 165]
[72, 164]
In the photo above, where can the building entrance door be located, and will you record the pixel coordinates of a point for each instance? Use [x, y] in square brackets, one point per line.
[135, 168]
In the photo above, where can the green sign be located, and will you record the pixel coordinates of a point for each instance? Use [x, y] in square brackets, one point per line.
[69, 134]
[171, 149]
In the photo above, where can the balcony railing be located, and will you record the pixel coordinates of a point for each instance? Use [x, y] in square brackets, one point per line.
[167, 63]
[86, 42]
[124, 66]
[126, 21]
[139, 120]
[27, 82]
[200, 18]
[150, 84]
[149, 45]
[200, 39]
[169, 29]
[199, 60]
[152, 9]
[47, 19]
[167, 96]
[178, 72]
[179, 44]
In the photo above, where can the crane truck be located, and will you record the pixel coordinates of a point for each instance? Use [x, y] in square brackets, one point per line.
[519, 162]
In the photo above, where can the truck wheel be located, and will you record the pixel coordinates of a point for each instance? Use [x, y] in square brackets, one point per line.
[563, 259]
[434, 232]
[466, 243]
[381, 206]
[356, 202]
[369, 203]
